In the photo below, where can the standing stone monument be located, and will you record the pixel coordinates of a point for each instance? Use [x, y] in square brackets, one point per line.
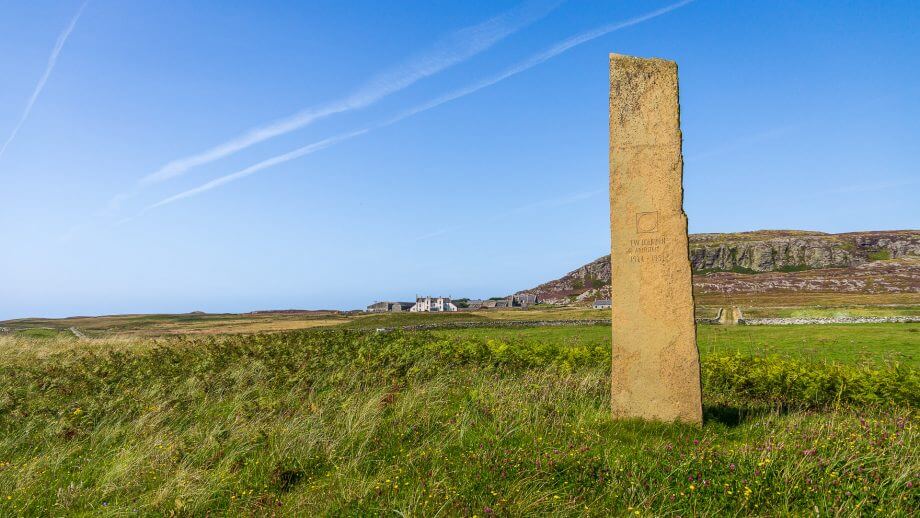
[656, 366]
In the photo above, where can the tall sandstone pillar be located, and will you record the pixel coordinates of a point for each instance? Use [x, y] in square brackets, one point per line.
[656, 367]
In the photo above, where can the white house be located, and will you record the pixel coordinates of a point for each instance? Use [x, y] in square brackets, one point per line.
[430, 304]
[602, 304]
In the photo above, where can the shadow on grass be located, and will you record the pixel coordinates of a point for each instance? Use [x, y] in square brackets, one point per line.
[732, 416]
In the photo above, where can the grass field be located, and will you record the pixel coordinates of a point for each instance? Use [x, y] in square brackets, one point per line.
[191, 323]
[844, 343]
[454, 422]
[187, 323]
[816, 305]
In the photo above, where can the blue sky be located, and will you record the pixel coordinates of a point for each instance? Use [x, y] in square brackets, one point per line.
[180, 156]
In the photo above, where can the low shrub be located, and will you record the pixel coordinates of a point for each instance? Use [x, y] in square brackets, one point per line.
[797, 384]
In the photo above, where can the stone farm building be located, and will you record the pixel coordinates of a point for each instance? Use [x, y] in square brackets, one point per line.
[521, 300]
[421, 304]
[389, 307]
[496, 304]
[438, 304]
[602, 304]
[524, 299]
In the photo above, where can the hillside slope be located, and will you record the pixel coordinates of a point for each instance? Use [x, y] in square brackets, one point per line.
[774, 260]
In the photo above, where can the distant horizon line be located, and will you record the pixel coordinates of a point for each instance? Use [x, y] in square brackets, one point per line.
[330, 310]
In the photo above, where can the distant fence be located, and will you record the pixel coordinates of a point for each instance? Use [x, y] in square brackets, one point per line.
[518, 323]
[607, 322]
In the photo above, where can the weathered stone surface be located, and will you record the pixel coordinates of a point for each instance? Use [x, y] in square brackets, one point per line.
[767, 251]
[656, 369]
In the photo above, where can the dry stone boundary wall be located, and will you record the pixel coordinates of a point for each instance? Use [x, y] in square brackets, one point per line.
[828, 320]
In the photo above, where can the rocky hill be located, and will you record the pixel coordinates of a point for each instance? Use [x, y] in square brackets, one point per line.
[770, 260]
[787, 250]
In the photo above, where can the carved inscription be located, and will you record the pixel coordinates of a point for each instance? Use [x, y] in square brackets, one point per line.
[646, 250]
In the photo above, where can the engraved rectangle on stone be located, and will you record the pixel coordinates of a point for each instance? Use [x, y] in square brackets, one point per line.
[646, 222]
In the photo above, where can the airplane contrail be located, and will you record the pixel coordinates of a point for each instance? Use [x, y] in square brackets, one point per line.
[533, 61]
[52, 60]
[297, 153]
[454, 48]
[537, 59]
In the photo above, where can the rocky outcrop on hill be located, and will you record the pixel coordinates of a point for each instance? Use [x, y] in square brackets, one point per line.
[790, 260]
[591, 281]
[768, 251]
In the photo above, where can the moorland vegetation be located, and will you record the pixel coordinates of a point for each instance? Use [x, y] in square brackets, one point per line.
[359, 422]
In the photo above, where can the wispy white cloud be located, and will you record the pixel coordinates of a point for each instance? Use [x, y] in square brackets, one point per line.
[533, 61]
[881, 185]
[453, 49]
[265, 164]
[541, 57]
[743, 142]
[526, 208]
[52, 60]
[438, 232]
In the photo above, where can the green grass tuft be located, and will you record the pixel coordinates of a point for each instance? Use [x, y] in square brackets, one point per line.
[39, 333]
[880, 255]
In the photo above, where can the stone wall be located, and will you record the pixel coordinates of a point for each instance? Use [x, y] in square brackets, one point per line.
[828, 320]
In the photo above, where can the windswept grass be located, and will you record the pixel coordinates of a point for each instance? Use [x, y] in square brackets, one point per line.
[362, 423]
